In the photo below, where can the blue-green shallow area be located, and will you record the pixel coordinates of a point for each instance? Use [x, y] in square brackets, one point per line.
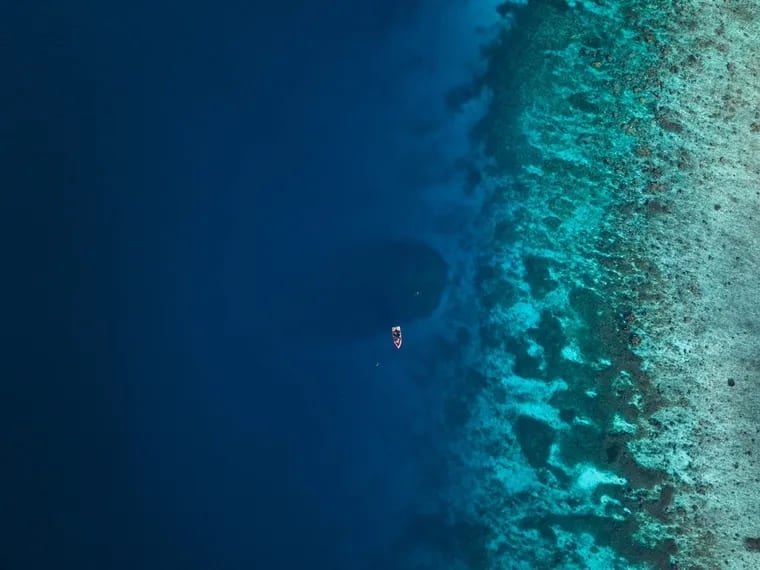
[564, 394]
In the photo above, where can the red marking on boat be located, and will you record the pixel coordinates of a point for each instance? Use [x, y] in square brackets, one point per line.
[397, 338]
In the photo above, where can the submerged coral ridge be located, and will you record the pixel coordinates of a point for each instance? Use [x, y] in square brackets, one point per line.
[603, 434]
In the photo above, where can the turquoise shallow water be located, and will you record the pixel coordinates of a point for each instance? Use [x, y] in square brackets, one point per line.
[553, 391]
[589, 411]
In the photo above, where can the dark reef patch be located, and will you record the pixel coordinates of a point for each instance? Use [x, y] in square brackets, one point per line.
[567, 415]
[752, 544]
[658, 508]
[582, 444]
[535, 438]
[525, 365]
[537, 275]
[505, 232]
[550, 336]
[586, 303]
[607, 532]
[612, 449]
[583, 103]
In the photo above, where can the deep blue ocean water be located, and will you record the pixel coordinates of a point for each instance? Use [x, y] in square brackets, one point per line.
[204, 204]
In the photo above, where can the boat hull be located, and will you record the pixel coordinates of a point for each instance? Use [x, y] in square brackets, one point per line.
[398, 340]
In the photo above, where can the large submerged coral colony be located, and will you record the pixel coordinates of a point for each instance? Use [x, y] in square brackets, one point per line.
[620, 419]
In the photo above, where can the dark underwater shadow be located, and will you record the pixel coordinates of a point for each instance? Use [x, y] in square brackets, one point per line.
[362, 290]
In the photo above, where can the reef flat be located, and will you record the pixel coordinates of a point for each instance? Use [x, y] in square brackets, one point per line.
[618, 414]
[701, 336]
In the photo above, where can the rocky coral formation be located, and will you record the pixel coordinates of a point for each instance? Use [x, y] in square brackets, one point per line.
[620, 290]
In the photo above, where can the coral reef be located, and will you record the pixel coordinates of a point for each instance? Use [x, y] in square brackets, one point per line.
[618, 285]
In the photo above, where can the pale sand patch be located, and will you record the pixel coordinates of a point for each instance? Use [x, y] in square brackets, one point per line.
[706, 329]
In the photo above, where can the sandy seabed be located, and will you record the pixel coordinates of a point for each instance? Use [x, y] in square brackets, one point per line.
[701, 336]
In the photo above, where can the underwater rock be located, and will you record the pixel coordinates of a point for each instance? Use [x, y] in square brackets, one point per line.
[567, 415]
[550, 336]
[538, 276]
[752, 544]
[582, 102]
[535, 438]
